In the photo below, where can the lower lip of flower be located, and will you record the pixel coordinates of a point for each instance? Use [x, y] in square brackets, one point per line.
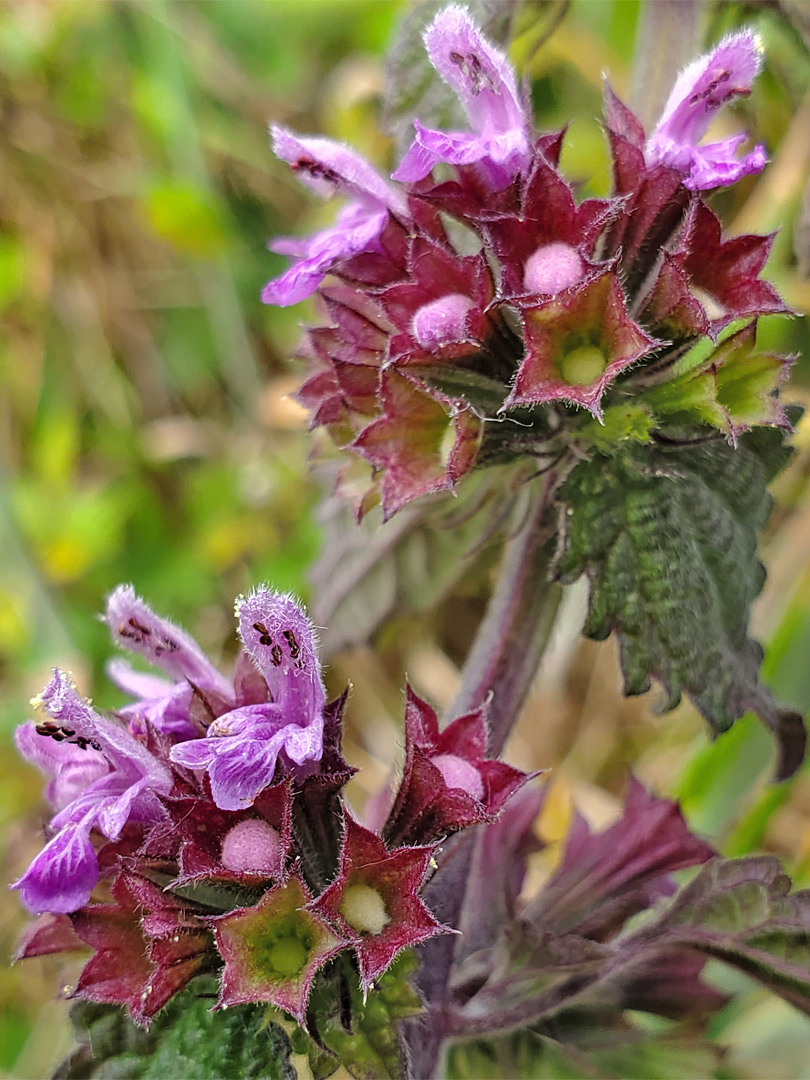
[582, 365]
[364, 910]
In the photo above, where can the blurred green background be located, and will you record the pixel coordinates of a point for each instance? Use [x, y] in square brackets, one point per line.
[147, 433]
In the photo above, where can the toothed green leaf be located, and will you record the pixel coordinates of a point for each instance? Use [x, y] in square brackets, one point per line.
[668, 538]
[185, 1040]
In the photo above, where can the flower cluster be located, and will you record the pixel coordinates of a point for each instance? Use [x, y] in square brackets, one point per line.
[201, 827]
[435, 361]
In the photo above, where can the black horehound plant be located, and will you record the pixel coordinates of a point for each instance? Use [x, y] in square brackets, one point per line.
[600, 358]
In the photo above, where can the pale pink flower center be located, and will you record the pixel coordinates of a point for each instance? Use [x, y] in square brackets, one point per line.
[252, 845]
[459, 773]
[442, 321]
[552, 268]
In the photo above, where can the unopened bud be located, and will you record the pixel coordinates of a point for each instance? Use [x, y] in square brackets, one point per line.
[459, 773]
[251, 846]
[552, 268]
[442, 321]
[363, 908]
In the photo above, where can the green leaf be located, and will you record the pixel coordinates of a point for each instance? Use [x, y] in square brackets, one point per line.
[370, 1049]
[668, 539]
[740, 911]
[585, 1052]
[186, 1040]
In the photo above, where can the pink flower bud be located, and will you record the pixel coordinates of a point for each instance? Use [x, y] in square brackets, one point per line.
[251, 846]
[552, 268]
[459, 773]
[442, 321]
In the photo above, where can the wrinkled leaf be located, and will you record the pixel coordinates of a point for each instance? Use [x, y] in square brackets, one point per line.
[668, 539]
[363, 1036]
[186, 1040]
[741, 911]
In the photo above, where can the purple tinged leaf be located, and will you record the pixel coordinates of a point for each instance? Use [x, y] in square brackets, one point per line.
[499, 868]
[135, 626]
[740, 911]
[485, 82]
[605, 878]
[704, 87]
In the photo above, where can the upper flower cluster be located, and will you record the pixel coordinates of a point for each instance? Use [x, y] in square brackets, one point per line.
[427, 351]
[109, 772]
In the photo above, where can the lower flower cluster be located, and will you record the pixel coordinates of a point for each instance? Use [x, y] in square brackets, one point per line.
[201, 828]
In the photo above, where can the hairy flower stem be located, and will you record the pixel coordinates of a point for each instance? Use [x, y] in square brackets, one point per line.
[501, 665]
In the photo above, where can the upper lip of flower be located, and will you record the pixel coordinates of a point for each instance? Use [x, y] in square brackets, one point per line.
[485, 82]
[709, 82]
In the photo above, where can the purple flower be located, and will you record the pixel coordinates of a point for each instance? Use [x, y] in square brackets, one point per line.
[102, 777]
[165, 705]
[485, 82]
[701, 89]
[329, 168]
[135, 626]
[241, 748]
[160, 704]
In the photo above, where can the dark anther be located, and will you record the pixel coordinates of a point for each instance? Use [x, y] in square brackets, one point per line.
[262, 630]
[316, 169]
[276, 655]
[139, 627]
[294, 649]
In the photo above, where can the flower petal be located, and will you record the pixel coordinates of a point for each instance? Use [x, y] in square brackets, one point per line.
[329, 167]
[279, 637]
[704, 87]
[62, 876]
[135, 626]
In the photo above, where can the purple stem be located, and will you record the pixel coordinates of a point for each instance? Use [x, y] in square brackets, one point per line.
[502, 664]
